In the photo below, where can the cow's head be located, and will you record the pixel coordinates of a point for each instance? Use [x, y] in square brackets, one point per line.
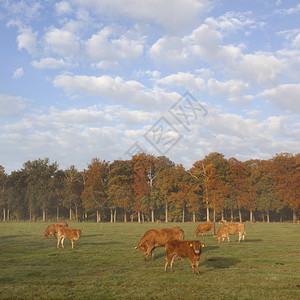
[196, 246]
[218, 238]
[142, 247]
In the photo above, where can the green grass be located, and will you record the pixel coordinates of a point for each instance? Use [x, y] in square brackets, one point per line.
[105, 265]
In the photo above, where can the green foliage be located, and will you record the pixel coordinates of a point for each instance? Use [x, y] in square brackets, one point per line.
[105, 265]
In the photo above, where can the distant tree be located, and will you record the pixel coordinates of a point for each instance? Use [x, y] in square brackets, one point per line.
[3, 200]
[94, 193]
[287, 183]
[72, 190]
[39, 175]
[119, 187]
[238, 188]
[16, 194]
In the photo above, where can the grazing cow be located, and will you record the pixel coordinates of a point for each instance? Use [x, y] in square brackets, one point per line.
[202, 228]
[225, 230]
[53, 228]
[68, 233]
[154, 238]
[182, 248]
[222, 222]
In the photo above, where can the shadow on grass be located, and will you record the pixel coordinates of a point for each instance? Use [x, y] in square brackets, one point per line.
[209, 248]
[8, 237]
[253, 240]
[220, 262]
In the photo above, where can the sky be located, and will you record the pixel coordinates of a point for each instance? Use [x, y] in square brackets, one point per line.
[81, 79]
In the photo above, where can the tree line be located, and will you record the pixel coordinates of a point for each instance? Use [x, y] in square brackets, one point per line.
[150, 188]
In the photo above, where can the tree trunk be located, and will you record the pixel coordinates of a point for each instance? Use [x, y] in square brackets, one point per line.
[139, 217]
[70, 214]
[214, 215]
[251, 216]
[231, 214]
[166, 213]
[183, 215]
[143, 217]
[115, 215]
[194, 217]
[44, 215]
[240, 215]
[294, 216]
[268, 217]
[57, 213]
[76, 213]
[223, 214]
[152, 215]
[4, 214]
[111, 216]
[207, 212]
[8, 214]
[125, 217]
[97, 216]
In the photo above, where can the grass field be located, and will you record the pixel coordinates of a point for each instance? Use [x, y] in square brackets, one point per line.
[105, 265]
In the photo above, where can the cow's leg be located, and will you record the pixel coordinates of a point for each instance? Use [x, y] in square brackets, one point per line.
[73, 242]
[197, 265]
[228, 238]
[172, 262]
[167, 262]
[152, 254]
[62, 242]
[58, 241]
[192, 264]
[240, 236]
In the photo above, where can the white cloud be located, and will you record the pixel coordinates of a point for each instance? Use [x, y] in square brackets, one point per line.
[285, 96]
[62, 42]
[27, 40]
[175, 16]
[63, 7]
[115, 88]
[105, 46]
[18, 73]
[51, 63]
[185, 80]
[12, 106]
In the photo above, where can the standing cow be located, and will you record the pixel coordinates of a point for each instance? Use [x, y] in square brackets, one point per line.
[183, 249]
[154, 238]
[202, 228]
[225, 230]
[52, 229]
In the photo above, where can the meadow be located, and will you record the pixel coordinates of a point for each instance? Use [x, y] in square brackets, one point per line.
[105, 265]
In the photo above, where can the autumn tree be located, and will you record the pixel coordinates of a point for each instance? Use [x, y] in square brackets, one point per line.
[94, 192]
[119, 187]
[286, 177]
[238, 188]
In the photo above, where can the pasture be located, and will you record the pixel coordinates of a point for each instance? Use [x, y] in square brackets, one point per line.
[105, 265]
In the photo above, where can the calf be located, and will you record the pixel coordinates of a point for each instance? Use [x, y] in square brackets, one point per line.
[154, 238]
[53, 228]
[225, 230]
[68, 233]
[182, 248]
[202, 228]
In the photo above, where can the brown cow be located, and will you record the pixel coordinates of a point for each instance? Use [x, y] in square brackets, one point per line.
[181, 248]
[53, 228]
[202, 228]
[154, 238]
[225, 230]
[68, 233]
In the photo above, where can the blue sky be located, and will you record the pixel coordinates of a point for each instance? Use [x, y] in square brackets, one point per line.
[82, 79]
